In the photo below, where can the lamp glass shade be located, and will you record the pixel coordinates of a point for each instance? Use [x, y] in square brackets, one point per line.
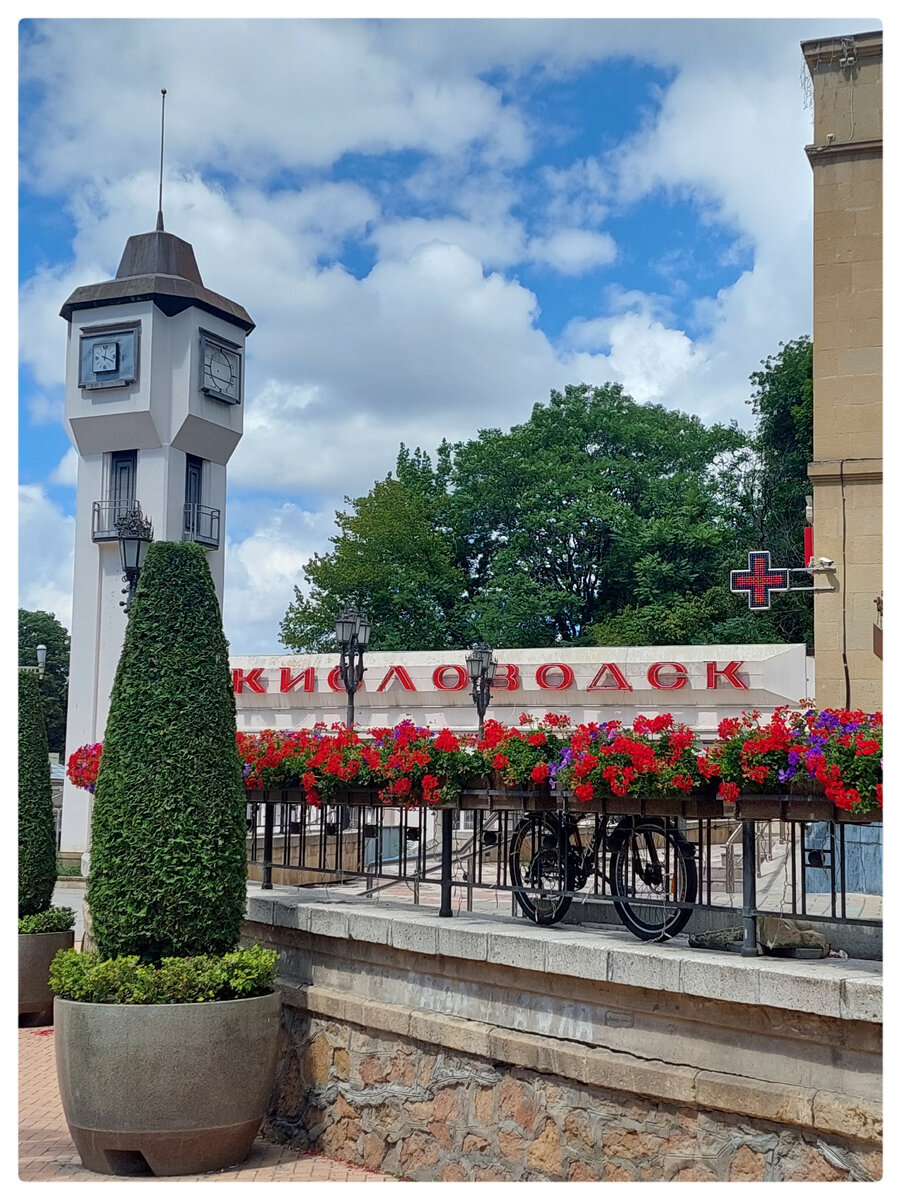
[474, 666]
[364, 629]
[131, 554]
[346, 627]
[491, 670]
[41, 652]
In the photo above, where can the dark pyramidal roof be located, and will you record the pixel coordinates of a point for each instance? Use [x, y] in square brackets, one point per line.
[161, 267]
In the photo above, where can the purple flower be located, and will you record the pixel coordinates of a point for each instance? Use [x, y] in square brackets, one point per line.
[788, 773]
[794, 757]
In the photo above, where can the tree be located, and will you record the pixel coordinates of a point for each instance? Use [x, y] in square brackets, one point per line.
[593, 503]
[528, 537]
[42, 628]
[168, 856]
[37, 832]
[768, 497]
[393, 559]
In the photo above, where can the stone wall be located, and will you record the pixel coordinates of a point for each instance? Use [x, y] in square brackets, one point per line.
[405, 1106]
[472, 1049]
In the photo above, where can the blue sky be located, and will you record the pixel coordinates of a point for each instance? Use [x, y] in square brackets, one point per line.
[433, 223]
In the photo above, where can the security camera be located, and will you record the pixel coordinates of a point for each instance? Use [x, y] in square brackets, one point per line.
[827, 562]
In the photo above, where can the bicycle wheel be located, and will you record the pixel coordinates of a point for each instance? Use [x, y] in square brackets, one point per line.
[538, 876]
[652, 869]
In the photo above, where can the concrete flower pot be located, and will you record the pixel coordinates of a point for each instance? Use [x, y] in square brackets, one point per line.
[36, 953]
[167, 1089]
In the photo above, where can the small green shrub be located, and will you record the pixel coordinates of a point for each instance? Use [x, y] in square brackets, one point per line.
[51, 920]
[68, 868]
[126, 980]
[37, 834]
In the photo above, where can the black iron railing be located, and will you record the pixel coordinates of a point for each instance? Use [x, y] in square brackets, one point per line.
[202, 525]
[775, 856]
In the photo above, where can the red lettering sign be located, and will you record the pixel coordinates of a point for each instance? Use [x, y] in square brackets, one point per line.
[400, 673]
[566, 681]
[509, 681]
[620, 683]
[714, 672]
[680, 680]
[307, 678]
[248, 679]
[438, 678]
[334, 680]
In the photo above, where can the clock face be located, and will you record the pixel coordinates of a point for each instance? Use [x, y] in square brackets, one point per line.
[108, 360]
[221, 372]
[105, 357]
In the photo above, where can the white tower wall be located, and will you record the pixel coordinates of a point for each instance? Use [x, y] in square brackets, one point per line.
[159, 411]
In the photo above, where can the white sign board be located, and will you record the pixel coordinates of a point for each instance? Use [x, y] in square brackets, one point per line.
[699, 685]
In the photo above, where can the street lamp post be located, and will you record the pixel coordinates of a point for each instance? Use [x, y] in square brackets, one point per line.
[352, 631]
[41, 655]
[481, 666]
[135, 535]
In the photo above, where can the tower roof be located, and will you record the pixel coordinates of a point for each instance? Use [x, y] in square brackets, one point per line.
[161, 267]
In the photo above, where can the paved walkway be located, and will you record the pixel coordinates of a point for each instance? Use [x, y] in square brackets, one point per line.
[46, 1152]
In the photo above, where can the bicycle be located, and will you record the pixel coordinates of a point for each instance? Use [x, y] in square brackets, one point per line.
[650, 874]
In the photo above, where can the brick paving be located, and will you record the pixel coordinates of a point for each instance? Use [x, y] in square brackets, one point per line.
[46, 1152]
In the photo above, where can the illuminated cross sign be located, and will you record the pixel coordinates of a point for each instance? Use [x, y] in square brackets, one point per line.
[760, 579]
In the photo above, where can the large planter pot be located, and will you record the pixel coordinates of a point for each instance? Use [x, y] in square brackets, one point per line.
[36, 953]
[167, 1089]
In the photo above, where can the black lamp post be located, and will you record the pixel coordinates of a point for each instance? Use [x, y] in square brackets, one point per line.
[481, 667]
[135, 535]
[352, 631]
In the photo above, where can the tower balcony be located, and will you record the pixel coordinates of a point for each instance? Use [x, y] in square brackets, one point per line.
[202, 525]
[105, 514]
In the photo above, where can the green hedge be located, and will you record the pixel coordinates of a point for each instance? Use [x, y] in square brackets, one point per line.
[168, 857]
[126, 980]
[37, 833]
[51, 920]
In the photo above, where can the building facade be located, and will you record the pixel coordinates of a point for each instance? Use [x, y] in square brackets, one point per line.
[846, 474]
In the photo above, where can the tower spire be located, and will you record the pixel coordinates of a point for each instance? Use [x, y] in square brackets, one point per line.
[159, 213]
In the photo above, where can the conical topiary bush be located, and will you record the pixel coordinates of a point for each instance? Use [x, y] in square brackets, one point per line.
[168, 855]
[37, 834]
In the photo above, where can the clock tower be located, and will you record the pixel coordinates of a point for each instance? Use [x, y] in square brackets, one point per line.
[154, 407]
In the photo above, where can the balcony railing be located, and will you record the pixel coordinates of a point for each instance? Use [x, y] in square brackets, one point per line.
[201, 525]
[105, 514]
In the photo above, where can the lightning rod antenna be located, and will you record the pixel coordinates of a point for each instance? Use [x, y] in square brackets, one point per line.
[159, 214]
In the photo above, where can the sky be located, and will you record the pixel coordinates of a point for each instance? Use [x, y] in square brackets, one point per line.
[433, 224]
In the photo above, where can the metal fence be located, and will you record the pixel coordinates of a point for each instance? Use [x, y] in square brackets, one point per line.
[815, 870]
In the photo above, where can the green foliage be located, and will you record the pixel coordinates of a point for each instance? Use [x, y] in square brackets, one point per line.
[714, 617]
[51, 920]
[770, 506]
[598, 520]
[394, 560]
[42, 628]
[37, 833]
[168, 857]
[89, 978]
[526, 538]
[68, 868]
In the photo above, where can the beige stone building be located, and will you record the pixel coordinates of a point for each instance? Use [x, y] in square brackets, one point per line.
[846, 474]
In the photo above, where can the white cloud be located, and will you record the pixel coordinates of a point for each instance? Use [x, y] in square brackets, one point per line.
[46, 554]
[261, 571]
[427, 331]
[66, 471]
[573, 251]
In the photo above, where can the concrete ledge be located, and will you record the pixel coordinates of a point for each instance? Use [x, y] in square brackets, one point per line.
[847, 989]
[825, 1112]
